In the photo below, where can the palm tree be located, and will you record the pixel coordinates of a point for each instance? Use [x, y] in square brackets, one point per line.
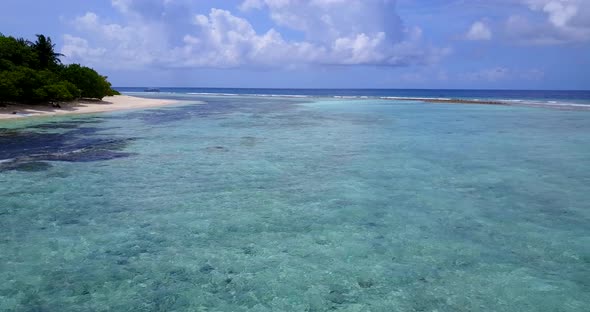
[45, 51]
[24, 42]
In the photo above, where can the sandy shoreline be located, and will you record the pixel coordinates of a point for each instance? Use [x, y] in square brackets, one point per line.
[108, 104]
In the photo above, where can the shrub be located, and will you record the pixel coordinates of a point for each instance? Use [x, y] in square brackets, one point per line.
[113, 92]
[59, 91]
[90, 83]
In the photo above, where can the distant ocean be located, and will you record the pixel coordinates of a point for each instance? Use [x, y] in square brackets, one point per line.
[556, 98]
[260, 200]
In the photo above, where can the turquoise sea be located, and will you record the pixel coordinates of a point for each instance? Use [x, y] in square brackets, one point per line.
[272, 203]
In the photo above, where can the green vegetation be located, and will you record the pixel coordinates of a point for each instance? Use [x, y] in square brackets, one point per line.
[31, 72]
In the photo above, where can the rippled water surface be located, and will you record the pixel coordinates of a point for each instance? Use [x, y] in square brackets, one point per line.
[255, 204]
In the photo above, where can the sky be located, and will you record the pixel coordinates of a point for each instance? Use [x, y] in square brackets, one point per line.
[434, 44]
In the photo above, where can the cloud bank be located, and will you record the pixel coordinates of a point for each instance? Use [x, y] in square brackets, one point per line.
[169, 34]
[552, 22]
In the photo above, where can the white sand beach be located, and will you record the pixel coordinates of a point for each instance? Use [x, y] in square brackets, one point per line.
[110, 103]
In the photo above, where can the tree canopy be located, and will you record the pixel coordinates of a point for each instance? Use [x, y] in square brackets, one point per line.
[32, 72]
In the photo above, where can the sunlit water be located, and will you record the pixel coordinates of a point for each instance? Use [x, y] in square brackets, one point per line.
[255, 204]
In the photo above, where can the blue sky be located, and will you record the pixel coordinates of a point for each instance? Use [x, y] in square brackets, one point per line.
[490, 44]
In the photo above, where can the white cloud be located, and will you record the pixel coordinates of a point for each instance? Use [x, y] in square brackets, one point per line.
[559, 12]
[479, 31]
[323, 20]
[75, 48]
[534, 22]
[224, 40]
[251, 4]
[563, 21]
[338, 32]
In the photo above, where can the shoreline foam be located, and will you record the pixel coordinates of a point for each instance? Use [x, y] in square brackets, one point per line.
[553, 104]
[108, 104]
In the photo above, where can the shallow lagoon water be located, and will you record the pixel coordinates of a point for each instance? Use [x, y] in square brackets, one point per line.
[250, 204]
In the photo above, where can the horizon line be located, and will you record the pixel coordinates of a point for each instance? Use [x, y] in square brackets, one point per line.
[341, 88]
